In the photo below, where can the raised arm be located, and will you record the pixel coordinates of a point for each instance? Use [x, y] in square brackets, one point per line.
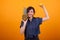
[45, 11]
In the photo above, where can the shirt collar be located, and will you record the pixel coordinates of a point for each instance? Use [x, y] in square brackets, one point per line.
[32, 19]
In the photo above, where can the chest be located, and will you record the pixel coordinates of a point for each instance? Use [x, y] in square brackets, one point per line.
[32, 24]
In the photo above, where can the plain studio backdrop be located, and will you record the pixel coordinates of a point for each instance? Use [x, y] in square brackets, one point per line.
[11, 12]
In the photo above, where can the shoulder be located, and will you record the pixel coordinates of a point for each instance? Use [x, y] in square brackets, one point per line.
[37, 18]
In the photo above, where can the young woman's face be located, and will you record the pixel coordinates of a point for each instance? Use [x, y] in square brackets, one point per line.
[30, 13]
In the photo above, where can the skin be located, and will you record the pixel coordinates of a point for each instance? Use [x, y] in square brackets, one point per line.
[31, 14]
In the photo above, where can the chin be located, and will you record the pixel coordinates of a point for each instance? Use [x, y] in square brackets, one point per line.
[29, 16]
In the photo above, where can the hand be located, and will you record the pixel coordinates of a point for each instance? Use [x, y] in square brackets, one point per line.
[25, 21]
[41, 5]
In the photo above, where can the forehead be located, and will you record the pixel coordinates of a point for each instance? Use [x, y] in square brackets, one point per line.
[31, 10]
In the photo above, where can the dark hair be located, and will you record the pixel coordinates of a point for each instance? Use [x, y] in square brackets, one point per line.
[29, 8]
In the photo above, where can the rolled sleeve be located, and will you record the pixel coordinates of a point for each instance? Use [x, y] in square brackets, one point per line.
[40, 20]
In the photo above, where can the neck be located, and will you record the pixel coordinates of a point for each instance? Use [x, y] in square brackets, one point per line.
[30, 18]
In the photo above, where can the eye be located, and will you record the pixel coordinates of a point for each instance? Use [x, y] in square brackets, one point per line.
[31, 11]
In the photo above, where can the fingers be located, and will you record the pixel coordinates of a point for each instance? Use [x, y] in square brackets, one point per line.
[25, 21]
[41, 5]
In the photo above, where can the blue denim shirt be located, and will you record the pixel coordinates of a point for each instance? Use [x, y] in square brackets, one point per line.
[32, 27]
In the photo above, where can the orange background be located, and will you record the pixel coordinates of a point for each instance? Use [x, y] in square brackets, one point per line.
[11, 13]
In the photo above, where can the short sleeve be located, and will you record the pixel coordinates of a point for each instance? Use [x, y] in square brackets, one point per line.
[39, 20]
[21, 24]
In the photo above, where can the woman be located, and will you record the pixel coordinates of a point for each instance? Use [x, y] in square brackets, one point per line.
[30, 27]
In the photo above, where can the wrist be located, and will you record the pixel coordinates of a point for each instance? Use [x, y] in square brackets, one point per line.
[43, 7]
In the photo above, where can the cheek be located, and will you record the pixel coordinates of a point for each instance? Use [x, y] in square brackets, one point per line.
[30, 13]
